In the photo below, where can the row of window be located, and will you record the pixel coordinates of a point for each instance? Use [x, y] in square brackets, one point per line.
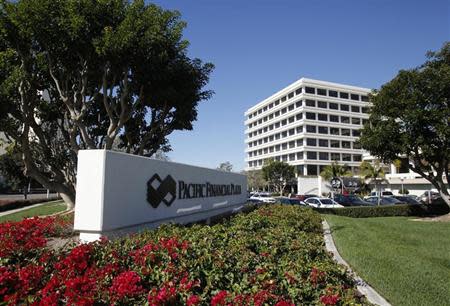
[314, 91]
[309, 116]
[311, 155]
[310, 103]
[311, 142]
[324, 130]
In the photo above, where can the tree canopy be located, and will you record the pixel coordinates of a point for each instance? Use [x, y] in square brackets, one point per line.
[335, 170]
[278, 174]
[225, 166]
[410, 118]
[84, 74]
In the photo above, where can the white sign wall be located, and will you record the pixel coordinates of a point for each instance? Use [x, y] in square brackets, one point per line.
[120, 193]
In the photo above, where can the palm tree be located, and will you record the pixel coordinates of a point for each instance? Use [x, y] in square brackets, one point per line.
[373, 173]
[335, 170]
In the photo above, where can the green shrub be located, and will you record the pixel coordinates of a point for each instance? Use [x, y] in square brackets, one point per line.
[388, 211]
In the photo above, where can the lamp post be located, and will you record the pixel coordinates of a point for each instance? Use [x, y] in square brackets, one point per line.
[401, 179]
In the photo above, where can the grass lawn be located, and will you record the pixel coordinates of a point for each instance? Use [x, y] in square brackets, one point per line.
[43, 210]
[408, 262]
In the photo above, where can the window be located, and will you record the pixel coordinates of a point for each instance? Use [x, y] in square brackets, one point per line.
[277, 124]
[356, 121]
[332, 93]
[322, 104]
[291, 107]
[322, 117]
[345, 119]
[323, 155]
[334, 118]
[323, 143]
[365, 98]
[277, 148]
[284, 134]
[277, 113]
[364, 121]
[311, 142]
[300, 142]
[292, 156]
[283, 122]
[346, 157]
[291, 144]
[298, 103]
[276, 102]
[345, 132]
[299, 129]
[312, 169]
[310, 103]
[321, 92]
[284, 158]
[357, 157]
[283, 110]
[299, 155]
[355, 109]
[284, 146]
[271, 138]
[335, 156]
[311, 116]
[345, 145]
[270, 105]
[277, 136]
[290, 95]
[283, 99]
[356, 133]
[299, 116]
[334, 144]
[291, 119]
[298, 91]
[259, 111]
[345, 107]
[343, 95]
[310, 90]
[356, 145]
[270, 116]
[250, 116]
[311, 155]
[334, 131]
[311, 128]
[334, 106]
[265, 150]
[365, 110]
[270, 149]
[291, 132]
[354, 97]
[323, 130]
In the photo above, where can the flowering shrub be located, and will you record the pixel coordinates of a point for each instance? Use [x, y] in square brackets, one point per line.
[271, 256]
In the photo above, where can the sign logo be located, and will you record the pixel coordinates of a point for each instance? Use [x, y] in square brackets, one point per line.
[159, 190]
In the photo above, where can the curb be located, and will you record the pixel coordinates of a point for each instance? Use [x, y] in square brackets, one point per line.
[370, 293]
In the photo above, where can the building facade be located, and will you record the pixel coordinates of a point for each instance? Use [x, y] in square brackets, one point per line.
[309, 124]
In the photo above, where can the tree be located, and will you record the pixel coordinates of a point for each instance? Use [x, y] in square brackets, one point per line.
[410, 118]
[374, 174]
[278, 174]
[11, 169]
[255, 180]
[335, 170]
[83, 74]
[226, 166]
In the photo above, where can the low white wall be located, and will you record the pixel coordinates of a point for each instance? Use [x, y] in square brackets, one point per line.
[120, 193]
[311, 185]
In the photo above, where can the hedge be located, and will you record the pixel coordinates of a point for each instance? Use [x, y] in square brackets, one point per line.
[422, 210]
[273, 255]
[13, 204]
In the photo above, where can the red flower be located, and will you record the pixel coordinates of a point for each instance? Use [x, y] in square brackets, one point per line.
[126, 284]
[193, 300]
[330, 299]
[284, 303]
[219, 298]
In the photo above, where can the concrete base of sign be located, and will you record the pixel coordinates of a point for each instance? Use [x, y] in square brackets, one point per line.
[120, 193]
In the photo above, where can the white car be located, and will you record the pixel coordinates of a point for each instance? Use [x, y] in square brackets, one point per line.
[322, 203]
[262, 197]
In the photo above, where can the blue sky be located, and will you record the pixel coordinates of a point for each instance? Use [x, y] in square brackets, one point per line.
[259, 47]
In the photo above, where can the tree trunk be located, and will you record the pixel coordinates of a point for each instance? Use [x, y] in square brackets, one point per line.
[69, 199]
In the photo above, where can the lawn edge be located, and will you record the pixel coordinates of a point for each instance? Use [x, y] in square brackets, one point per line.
[371, 294]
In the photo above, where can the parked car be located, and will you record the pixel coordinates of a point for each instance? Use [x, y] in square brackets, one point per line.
[303, 197]
[350, 200]
[429, 196]
[407, 200]
[322, 203]
[290, 201]
[383, 194]
[383, 201]
[262, 198]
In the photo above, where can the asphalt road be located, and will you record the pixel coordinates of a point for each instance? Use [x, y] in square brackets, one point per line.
[20, 196]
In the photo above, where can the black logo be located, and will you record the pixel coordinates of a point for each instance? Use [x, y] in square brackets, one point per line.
[159, 190]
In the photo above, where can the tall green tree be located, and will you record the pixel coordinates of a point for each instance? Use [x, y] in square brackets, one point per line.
[225, 166]
[255, 180]
[91, 74]
[410, 118]
[335, 170]
[278, 174]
